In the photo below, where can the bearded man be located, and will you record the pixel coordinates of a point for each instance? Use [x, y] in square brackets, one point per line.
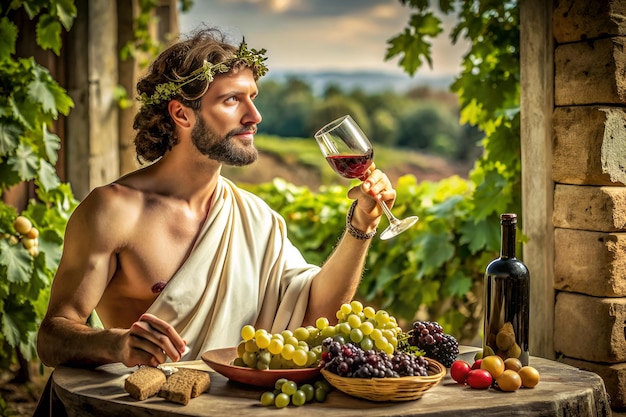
[173, 259]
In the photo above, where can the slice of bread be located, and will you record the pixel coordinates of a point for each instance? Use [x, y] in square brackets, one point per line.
[185, 384]
[144, 382]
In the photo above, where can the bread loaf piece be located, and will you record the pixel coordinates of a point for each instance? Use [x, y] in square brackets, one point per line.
[185, 384]
[202, 381]
[144, 382]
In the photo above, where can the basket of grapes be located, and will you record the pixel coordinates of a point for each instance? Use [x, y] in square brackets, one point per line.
[376, 376]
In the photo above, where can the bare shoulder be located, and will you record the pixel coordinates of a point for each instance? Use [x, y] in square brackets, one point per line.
[109, 209]
[113, 201]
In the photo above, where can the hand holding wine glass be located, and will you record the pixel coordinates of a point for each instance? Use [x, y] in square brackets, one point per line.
[350, 153]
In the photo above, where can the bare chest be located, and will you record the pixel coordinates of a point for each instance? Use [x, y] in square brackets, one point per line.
[146, 264]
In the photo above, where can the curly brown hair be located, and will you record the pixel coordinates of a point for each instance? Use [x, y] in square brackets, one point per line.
[155, 128]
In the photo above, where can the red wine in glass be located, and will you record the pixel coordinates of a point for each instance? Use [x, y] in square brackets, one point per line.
[351, 166]
[349, 152]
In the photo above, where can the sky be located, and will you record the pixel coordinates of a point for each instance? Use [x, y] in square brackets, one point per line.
[312, 35]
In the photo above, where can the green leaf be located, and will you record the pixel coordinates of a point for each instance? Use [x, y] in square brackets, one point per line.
[8, 38]
[66, 11]
[49, 33]
[10, 330]
[9, 137]
[32, 8]
[52, 144]
[412, 49]
[25, 162]
[436, 249]
[18, 321]
[493, 196]
[28, 345]
[39, 90]
[51, 245]
[426, 24]
[63, 102]
[24, 111]
[47, 175]
[8, 176]
[17, 260]
[480, 235]
[458, 285]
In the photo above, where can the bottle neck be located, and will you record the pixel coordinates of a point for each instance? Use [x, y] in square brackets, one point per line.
[507, 245]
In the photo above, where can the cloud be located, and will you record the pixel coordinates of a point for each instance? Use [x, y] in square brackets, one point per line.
[318, 34]
[306, 9]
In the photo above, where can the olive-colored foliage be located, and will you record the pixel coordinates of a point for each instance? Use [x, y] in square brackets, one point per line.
[434, 269]
[30, 102]
[488, 89]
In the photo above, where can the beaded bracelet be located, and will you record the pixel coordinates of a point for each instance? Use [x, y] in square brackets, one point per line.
[355, 233]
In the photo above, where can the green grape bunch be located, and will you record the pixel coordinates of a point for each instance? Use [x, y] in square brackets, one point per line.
[366, 327]
[262, 350]
[287, 392]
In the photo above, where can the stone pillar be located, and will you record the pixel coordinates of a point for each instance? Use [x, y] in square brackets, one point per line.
[589, 171]
[91, 141]
[536, 103]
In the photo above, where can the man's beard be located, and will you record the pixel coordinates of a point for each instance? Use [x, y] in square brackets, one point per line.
[224, 149]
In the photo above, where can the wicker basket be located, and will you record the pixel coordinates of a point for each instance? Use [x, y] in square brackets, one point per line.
[405, 388]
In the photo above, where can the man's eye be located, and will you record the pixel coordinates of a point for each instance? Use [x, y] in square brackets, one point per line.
[233, 98]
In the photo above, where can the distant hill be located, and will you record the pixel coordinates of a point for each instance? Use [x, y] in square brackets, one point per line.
[369, 81]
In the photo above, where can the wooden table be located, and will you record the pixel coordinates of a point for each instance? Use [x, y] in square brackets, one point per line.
[562, 391]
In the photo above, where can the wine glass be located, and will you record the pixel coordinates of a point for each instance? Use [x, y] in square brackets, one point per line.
[349, 152]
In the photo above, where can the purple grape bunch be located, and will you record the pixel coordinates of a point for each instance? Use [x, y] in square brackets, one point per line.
[429, 337]
[351, 361]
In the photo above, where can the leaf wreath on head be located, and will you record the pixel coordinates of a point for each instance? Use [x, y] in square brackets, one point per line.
[250, 57]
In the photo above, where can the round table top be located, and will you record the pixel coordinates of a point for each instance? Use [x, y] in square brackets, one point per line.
[562, 391]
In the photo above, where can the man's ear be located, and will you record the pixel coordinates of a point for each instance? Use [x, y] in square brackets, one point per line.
[182, 115]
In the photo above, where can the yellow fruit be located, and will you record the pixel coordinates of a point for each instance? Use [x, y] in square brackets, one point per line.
[530, 376]
[299, 357]
[29, 243]
[514, 351]
[241, 349]
[247, 332]
[505, 337]
[263, 340]
[357, 306]
[509, 381]
[513, 364]
[494, 365]
[22, 225]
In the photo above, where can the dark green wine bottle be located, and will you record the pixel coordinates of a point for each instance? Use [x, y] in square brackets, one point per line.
[506, 299]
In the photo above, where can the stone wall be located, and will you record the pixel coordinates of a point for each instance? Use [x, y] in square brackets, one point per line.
[589, 171]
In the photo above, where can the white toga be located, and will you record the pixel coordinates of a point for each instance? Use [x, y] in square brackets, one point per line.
[242, 270]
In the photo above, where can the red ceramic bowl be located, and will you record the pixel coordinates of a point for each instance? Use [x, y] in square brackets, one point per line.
[221, 361]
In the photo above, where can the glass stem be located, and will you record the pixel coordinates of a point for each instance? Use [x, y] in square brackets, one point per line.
[392, 219]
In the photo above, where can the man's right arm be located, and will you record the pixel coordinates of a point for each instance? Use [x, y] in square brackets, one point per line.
[87, 265]
[81, 278]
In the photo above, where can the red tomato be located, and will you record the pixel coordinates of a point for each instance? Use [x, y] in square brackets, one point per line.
[477, 364]
[459, 370]
[479, 379]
